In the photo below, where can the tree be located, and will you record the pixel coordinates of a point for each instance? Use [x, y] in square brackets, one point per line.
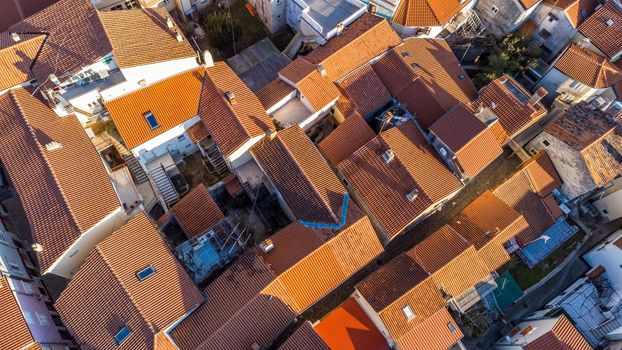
[509, 56]
[222, 28]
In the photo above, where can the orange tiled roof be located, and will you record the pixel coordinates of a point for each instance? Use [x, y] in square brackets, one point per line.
[383, 187]
[606, 38]
[487, 223]
[426, 13]
[349, 328]
[16, 58]
[521, 193]
[275, 91]
[563, 336]
[514, 115]
[446, 255]
[14, 332]
[473, 144]
[577, 11]
[434, 333]
[305, 337]
[588, 67]
[428, 70]
[318, 90]
[595, 136]
[367, 37]
[51, 194]
[231, 125]
[353, 134]
[72, 42]
[15, 11]
[140, 37]
[108, 286]
[197, 212]
[246, 305]
[172, 101]
[302, 176]
[527, 4]
[197, 132]
[365, 90]
[399, 282]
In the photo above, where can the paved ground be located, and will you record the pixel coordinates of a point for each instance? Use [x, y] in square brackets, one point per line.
[492, 176]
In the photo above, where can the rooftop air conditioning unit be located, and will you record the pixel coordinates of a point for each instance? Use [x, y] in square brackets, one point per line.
[266, 246]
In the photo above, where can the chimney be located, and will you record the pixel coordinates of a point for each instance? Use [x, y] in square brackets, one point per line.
[271, 134]
[142, 82]
[388, 156]
[266, 245]
[15, 37]
[412, 195]
[537, 96]
[609, 22]
[230, 96]
[208, 60]
[169, 22]
[584, 43]
[179, 37]
[53, 145]
[37, 247]
[322, 70]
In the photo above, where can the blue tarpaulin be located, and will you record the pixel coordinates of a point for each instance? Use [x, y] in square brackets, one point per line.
[550, 240]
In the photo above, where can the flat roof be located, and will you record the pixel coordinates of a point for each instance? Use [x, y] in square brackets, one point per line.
[328, 13]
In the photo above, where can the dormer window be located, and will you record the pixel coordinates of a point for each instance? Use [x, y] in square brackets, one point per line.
[145, 273]
[151, 120]
[120, 337]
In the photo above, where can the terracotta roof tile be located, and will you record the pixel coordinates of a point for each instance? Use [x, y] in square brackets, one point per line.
[172, 101]
[552, 206]
[425, 70]
[348, 137]
[14, 332]
[446, 255]
[140, 37]
[365, 90]
[487, 223]
[577, 11]
[146, 307]
[231, 125]
[73, 41]
[51, 194]
[383, 187]
[15, 11]
[275, 91]
[197, 212]
[367, 37]
[197, 132]
[563, 336]
[521, 193]
[426, 13]
[247, 290]
[514, 115]
[588, 67]
[542, 174]
[16, 58]
[473, 144]
[299, 69]
[434, 333]
[304, 179]
[527, 4]
[305, 337]
[318, 90]
[604, 37]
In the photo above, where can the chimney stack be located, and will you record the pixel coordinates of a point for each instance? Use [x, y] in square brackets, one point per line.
[412, 195]
[37, 247]
[169, 22]
[179, 37]
[266, 245]
[53, 145]
[230, 96]
[537, 96]
[271, 134]
[15, 37]
[388, 156]
[609, 22]
[322, 70]
[584, 43]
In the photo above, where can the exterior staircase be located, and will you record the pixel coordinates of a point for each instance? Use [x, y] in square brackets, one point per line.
[215, 158]
[294, 45]
[137, 171]
[164, 185]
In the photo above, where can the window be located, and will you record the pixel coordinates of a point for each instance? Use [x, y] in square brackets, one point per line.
[494, 10]
[27, 287]
[122, 335]
[145, 273]
[181, 138]
[451, 327]
[64, 334]
[553, 18]
[415, 65]
[461, 76]
[545, 33]
[116, 8]
[405, 54]
[408, 312]
[546, 143]
[43, 320]
[57, 321]
[576, 85]
[28, 317]
[151, 120]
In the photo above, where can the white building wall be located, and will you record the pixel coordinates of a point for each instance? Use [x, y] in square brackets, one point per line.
[609, 202]
[373, 316]
[558, 83]
[242, 154]
[69, 263]
[174, 139]
[561, 30]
